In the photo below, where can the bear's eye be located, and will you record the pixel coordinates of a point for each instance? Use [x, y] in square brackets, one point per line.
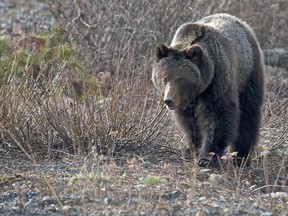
[180, 79]
[165, 80]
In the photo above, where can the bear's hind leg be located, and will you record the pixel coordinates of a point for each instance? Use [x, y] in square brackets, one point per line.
[250, 120]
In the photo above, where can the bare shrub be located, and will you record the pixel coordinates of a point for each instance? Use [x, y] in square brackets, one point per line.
[48, 120]
[110, 104]
[105, 29]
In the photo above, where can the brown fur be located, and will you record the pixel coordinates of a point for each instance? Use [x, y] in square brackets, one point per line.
[213, 83]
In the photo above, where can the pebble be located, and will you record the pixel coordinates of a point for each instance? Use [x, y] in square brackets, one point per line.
[46, 199]
[283, 196]
[147, 165]
[31, 194]
[200, 199]
[200, 213]
[267, 214]
[66, 207]
[107, 200]
[216, 179]
[168, 195]
[204, 170]
[32, 204]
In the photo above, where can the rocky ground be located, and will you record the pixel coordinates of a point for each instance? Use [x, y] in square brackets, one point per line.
[22, 17]
[99, 187]
[96, 185]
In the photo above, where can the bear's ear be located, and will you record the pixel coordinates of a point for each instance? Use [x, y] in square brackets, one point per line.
[194, 53]
[161, 51]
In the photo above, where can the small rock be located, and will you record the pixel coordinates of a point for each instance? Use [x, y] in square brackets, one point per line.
[32, 204]
[214, 205]
[171, 194]
[204, 170]
[140, 200]
[146, 164]
[222, 199]
[108, 200]
[201, 199]
[51, 207]
[283, 196]
[66, 207]
[67, 201]
[217, 179]
[201, 213]
[46, 199]
[30, 194]
[266, 214]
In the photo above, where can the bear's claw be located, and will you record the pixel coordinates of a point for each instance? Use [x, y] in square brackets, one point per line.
[208, 162]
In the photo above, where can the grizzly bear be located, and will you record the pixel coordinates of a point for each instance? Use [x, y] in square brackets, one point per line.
[213, 83]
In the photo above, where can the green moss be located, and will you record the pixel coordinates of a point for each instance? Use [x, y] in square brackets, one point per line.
[154, 180]
[95, 177]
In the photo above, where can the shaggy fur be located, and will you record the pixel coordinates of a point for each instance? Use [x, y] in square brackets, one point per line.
[213, 83]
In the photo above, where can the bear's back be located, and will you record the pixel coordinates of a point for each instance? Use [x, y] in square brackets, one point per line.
[237, 32]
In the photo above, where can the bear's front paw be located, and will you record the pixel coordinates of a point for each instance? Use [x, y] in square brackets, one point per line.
[208, 162]
[188, 154]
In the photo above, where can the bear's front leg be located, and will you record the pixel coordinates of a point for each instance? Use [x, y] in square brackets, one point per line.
[222, 126]
[187, 124]
[192, 143]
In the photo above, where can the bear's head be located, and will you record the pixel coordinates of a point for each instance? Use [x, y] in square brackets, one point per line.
[182, 74]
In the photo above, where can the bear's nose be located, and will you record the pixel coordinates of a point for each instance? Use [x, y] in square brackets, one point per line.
[169, 102]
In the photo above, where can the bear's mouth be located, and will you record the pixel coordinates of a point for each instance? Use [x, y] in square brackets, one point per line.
[170, 104]
[170, 107]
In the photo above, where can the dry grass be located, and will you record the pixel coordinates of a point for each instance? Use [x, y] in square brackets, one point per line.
[106, 118]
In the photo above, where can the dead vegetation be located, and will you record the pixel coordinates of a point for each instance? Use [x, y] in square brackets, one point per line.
[81, 102]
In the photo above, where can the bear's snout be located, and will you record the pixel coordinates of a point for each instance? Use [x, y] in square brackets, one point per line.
[169, 103]
[171, 96]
